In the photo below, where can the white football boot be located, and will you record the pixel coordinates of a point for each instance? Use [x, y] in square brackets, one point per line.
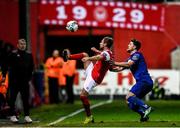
[27, 119]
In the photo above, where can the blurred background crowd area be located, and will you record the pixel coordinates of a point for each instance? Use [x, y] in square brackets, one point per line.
[39, 86]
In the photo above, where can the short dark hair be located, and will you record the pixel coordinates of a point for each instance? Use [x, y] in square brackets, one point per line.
[22, 39]
[136, 43]
[109, 41]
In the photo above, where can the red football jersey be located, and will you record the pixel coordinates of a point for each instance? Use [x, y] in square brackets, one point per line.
[102, 66]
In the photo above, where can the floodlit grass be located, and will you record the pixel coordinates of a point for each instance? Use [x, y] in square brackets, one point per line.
[115, 114]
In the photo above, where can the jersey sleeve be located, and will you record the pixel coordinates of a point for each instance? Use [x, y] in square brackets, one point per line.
[135, 57]
[106, 55]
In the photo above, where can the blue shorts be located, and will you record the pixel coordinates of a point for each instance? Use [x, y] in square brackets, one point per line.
[141, 88]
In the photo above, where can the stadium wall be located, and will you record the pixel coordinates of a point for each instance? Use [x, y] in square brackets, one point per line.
[9, 21]
[156, 45]
[120, 83]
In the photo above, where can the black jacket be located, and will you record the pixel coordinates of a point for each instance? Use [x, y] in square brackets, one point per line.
[20, 65]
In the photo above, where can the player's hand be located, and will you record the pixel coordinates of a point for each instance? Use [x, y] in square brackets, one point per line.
[93, 49]
[116, 69]
[85, 59]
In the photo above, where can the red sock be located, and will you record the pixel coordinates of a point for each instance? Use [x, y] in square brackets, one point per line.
[76, 56]
[86, 105]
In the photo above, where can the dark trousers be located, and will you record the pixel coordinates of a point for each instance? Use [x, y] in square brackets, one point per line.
[69, 88]
[23, 88]
[62, 93]
[53, 90]
[2, 101]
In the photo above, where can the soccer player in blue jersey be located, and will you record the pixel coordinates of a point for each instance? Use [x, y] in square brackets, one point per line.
[144, 84]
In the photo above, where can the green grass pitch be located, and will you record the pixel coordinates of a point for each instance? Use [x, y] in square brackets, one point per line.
[115, 114]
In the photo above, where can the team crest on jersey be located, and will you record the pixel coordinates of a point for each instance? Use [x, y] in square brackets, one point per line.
[135, 57]
[104, 54]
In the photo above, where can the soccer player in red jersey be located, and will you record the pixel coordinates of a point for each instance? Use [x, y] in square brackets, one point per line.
[95, 72]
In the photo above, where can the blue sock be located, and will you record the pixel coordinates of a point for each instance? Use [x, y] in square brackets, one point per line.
[136, 108]
[136, 101]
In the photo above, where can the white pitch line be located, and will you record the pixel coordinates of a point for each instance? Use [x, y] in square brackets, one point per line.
[78, 111]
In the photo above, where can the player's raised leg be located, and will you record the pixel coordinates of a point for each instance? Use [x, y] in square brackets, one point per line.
[68, 56]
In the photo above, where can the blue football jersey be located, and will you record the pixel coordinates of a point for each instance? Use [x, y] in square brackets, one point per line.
[139, 68]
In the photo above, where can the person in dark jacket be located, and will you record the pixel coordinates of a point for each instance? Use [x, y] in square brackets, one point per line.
[19, 65]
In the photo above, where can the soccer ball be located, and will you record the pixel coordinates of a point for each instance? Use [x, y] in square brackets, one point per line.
[72, 26]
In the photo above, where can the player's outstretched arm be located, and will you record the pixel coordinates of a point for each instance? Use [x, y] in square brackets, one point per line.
[124, 64]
